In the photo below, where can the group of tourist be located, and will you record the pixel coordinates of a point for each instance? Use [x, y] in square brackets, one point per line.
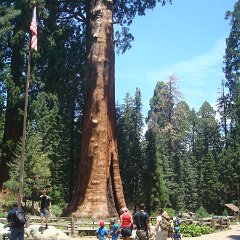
[143, 227]
[124, 229]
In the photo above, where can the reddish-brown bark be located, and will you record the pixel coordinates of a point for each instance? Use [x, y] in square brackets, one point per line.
[99, 190]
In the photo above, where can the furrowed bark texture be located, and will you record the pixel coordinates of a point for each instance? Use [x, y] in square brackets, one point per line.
[99, 191]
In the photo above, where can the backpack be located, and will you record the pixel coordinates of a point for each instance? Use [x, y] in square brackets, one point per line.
[165, 223]
[177, 221]
[19, 218]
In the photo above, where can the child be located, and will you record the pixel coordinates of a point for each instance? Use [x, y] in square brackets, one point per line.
[101, 231]
[114, 233]
[170, 230]
[176, 234]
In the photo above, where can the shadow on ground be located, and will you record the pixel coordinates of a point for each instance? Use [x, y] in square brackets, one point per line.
[235, 237]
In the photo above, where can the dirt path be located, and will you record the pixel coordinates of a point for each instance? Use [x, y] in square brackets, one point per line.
[231, 234]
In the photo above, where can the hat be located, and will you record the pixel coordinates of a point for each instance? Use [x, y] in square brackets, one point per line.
[101, 223]
[115, 226]
[124, 209]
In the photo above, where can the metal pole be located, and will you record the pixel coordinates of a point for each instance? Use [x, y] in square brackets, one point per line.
[24, 132]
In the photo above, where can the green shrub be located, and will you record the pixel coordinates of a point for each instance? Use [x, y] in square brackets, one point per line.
[2, 215]
[193, 230]
[170, 211]
[225, 212]
[206, 229]
[56, 210]
[82, 234]
[202, 213]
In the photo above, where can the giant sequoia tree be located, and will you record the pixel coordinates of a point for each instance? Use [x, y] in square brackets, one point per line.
[99, 184]
[99, 188]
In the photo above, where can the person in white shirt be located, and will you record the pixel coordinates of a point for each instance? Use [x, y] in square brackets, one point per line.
[158, 231]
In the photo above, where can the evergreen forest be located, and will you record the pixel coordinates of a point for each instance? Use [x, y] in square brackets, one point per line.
[174, 157]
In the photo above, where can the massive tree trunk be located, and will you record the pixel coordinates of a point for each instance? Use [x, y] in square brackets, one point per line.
[99, 190]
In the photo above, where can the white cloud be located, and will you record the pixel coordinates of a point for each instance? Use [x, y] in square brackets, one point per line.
[194, 71]
[199, 78]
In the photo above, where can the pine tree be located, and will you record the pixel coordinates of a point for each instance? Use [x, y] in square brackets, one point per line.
[208, 147]
[161, 132]
[210, 186]
[14, 41]
[130, 123]
[190, 166]
[36, 177]
[231, 152]
[155, 186]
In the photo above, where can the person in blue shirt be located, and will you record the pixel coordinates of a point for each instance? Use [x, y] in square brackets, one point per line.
[102, 231]
[114, 233]
[176, 234]
[17, 231]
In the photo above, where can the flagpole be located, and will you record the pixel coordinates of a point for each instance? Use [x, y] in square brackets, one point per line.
[25, 124]
[24, 132]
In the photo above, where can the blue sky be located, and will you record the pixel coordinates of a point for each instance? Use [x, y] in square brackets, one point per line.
[186, 39]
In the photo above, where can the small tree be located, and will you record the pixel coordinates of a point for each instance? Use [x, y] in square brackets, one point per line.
[36, 177]
[202, 212]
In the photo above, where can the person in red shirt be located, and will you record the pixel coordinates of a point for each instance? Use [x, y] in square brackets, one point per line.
[126, 223]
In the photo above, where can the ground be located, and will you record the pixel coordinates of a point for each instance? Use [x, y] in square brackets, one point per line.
[231, 234]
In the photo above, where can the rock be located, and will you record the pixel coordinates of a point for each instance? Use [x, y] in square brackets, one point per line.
[4, 231]
[186, 215]
[38, 232]
[2, 226]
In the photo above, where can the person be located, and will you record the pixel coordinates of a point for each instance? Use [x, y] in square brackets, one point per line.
[170, 230]
[142, 221]
[157, 229]
[101, 232]
[115, 234]
[45, 207]
[17, 229]
[126, 223]
[177, 221]
[176, 234]
[165, 225]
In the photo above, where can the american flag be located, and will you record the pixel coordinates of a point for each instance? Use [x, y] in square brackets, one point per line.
[33, 28]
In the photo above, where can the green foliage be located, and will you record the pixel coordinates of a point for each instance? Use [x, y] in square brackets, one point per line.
[82, 234]
[229, 104]
[36, 177]
[2, 215]
[130, 123]
[225, 212]
[171, 212]
[57, 210]
[202, 213]
[193, 230]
